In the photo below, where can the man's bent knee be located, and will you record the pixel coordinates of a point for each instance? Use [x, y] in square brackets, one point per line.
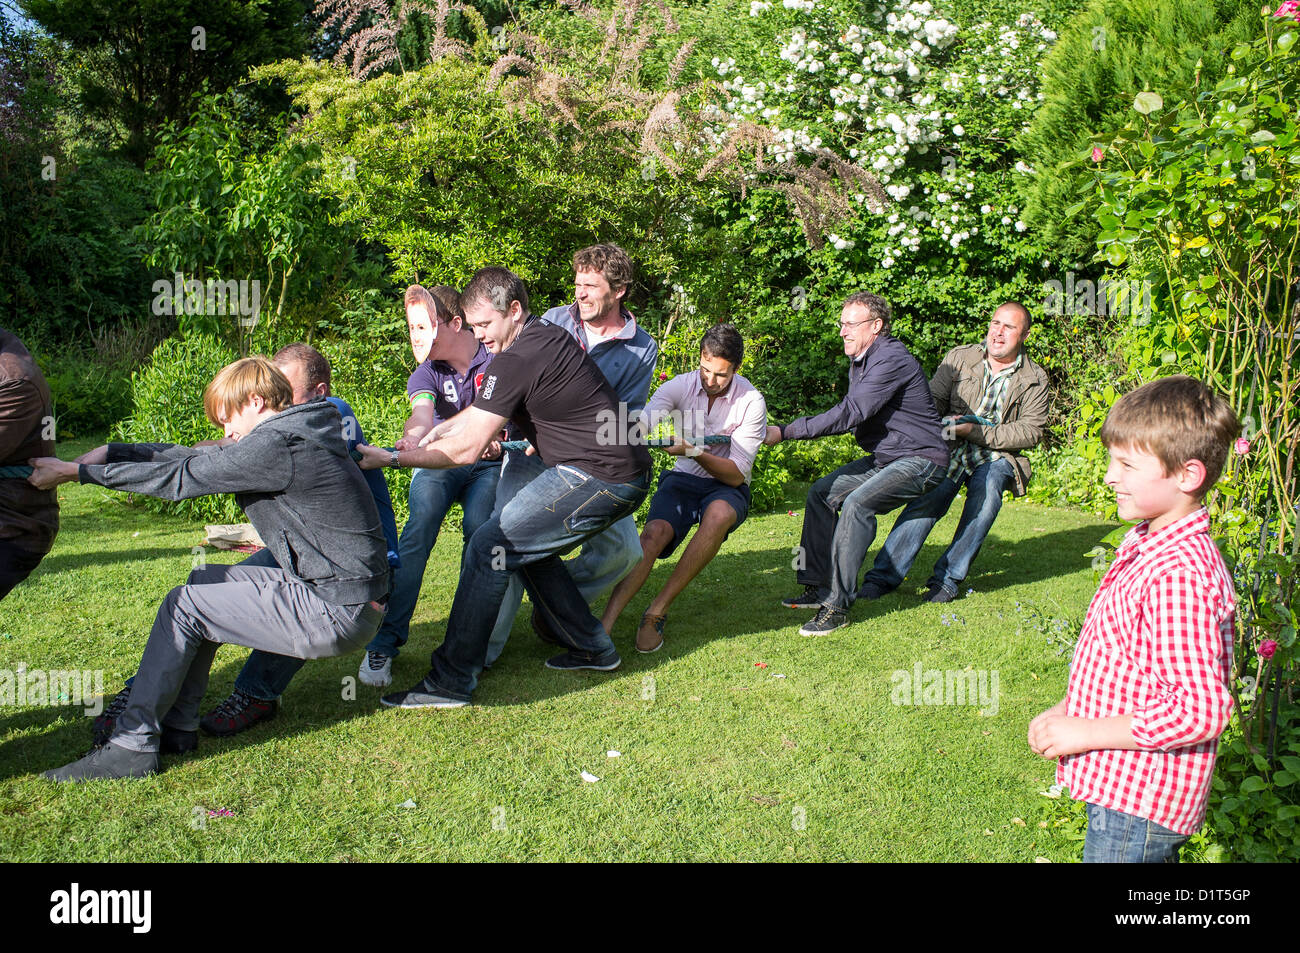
[719, 517]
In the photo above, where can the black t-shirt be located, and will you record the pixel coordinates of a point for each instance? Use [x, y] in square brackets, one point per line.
[547, 385]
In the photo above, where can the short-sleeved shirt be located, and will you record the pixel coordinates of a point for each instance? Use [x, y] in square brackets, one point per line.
[547, 384]
[451, 391]
[739, 413]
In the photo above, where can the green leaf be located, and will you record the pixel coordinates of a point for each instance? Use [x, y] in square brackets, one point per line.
[1285, 41]
[1252, 784]
[1288, 811]
[1215, 219]
[1283, 778]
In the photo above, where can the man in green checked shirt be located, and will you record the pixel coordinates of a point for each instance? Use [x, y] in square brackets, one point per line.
[993, 400]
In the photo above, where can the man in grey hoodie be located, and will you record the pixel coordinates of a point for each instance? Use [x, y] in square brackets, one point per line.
[290, 472]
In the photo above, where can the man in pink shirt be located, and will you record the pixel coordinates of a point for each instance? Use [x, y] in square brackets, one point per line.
[708, 486]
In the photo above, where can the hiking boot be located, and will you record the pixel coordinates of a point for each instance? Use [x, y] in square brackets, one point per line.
[940, 594]
[544, 630]
[376, 670]
[571, 661]
[423, 695]
[106, 762]
[650, 635]
[827, 619]
[811, 598]
[102, 727]
[238, 713]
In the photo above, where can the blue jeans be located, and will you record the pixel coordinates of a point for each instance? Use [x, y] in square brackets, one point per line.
[1117, 838]
[984, 488]
[603, 561]
[549, 517]
[839, 522]
[266, 676]
[432, 494]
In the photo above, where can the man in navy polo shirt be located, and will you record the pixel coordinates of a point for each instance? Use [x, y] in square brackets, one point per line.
[626, 355]
[891, 412]
[452, 363]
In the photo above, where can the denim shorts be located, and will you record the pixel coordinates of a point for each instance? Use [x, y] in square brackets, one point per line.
[682, 498]
[1117, 838]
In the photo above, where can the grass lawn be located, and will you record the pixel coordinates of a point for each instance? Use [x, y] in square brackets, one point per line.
[720, 759]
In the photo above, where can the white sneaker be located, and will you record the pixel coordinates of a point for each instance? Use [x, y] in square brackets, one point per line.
[376, 670]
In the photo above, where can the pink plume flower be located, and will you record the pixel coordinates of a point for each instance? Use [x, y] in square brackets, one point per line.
[1267, 648]
[1096, 150]
[1291, 8]
[1242, 446]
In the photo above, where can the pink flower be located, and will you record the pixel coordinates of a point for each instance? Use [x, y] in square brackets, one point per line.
[1096, 150]
[1268, 646]
[663, 376]
[1289, 8]
[760, 665]
[1242, 446]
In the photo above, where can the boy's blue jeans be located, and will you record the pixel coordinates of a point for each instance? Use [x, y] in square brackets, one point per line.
[549, 517]
[1117, 838]
[984, 487]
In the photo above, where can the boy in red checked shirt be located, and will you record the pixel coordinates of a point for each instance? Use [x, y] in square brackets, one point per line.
[1137, 731]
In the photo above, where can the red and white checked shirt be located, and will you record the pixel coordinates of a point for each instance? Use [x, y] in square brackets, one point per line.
[1156, 644]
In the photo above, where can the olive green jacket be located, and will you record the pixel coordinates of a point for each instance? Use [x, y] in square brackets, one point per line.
[956, 386]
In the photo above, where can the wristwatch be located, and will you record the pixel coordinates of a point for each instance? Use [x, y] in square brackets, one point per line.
[393, 461]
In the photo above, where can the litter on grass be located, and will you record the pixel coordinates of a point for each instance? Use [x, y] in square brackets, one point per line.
[589, 777]
[407, 803]
[611, 753]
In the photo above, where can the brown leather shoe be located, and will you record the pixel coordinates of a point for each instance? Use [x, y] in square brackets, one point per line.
[650, 634]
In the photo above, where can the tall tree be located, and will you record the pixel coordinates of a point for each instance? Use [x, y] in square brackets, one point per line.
[142, 60]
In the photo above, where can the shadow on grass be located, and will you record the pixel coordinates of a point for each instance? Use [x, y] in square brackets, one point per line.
[737, 594]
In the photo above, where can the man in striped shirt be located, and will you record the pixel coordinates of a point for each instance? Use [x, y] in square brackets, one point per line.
[1148, 697]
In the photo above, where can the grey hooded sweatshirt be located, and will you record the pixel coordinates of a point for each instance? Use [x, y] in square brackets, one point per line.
[295, 481]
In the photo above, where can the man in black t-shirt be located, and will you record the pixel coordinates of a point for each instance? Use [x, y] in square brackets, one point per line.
[543, 381]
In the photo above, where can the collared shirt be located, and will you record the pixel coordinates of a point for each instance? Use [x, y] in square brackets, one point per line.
[966, 456]
[1156, 644]
[627, 358]
[889, 408]
[451, 391]
[740, 413]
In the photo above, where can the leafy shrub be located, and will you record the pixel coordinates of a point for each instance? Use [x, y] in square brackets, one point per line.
[167, 407]
[1254, 810]
[1109, 52]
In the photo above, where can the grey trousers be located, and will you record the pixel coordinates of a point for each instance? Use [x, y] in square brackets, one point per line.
[256, 606]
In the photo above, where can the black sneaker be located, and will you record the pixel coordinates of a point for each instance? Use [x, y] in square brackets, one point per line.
[102, 727]
[423, 695]
[238, 713]
[940, 594]
[571, 661]
[544, 630]
[870, 590]
[811, 598]
[827, 619]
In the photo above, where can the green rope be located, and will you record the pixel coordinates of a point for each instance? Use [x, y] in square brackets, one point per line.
[520, 445]
[17, 473]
